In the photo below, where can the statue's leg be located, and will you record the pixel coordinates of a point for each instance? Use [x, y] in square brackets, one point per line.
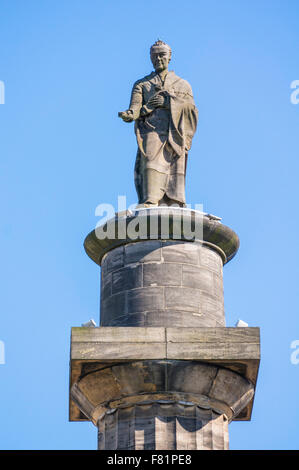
[154, 184]
[175, 190]
[171, 202]
[138, 177]
[175, 185]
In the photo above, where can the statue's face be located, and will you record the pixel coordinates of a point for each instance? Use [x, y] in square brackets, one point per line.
[160, 60]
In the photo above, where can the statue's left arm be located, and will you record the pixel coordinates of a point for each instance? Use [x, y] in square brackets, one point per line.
[184, 117]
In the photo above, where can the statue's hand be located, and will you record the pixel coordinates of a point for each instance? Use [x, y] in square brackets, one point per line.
[157, 101]
[126, 116]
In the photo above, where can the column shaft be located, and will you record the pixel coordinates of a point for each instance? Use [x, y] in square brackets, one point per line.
[161, 426]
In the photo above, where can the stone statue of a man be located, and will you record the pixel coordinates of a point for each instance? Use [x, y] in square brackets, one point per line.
[165, 116]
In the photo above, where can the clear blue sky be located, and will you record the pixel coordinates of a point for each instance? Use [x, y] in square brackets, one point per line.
[68, 67]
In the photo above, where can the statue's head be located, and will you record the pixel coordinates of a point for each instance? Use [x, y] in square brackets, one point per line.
[160, 55]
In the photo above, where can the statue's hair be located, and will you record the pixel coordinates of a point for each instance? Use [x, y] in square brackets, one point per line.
[160, 43]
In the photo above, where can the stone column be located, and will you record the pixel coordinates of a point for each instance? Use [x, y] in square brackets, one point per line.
[162, 283]
[163, 371]
[160, 425]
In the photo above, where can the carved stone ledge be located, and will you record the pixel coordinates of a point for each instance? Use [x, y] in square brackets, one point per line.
[206, 365]
[214, 234]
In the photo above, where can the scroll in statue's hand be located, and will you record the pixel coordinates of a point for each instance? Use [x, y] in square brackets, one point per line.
[126, 116]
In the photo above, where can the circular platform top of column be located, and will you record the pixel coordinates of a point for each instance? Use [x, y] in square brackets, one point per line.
[162, 223]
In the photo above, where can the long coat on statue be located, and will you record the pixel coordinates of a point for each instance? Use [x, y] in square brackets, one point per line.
[164, 135]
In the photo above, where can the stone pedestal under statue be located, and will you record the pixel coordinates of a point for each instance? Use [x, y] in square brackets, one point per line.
[162, 371]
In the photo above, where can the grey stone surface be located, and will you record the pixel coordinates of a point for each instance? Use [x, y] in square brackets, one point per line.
[179, 252]
[161, 426]
[183, 298]
[146, 298]
[124, 383]
[106, 285]
[198, 278]
[123, 335]
[146, 251]
[162, 284]
[158, 317]
[172, 316]
[211, 305]
[218, 286]
[211, 260]
[229, 335]
[150, 384]
[114, 349]
[141, 377]
[162, 274]
[113, 307]
[128, 319]
[114, 260]
[206, 361]
[184, 377]
[126, 278]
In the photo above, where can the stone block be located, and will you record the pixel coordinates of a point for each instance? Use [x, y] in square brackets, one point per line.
[178, 252]
[183, 298]
[114, 306]
[227, 388]
[114, 259]
[106, 285]
[190, 378]
[207, 351]
[212, 305]
[120, 335]
[166, 274]
[210, 259]
[142, 252]
[126, 278]
[146, 298]
[197, 278]
[114, 351]
[230, 336]
[141, 377]
[169, 317]
[129, 320]
[218, 286]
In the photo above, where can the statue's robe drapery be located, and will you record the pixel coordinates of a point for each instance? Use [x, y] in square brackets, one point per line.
[164, 135]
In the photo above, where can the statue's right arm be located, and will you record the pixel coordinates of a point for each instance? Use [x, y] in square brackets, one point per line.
[133, 112]
[136, 100]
